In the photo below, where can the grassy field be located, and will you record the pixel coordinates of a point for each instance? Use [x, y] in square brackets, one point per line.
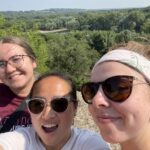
[84, 120]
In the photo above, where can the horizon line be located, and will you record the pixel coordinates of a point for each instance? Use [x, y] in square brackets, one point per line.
[74, 8]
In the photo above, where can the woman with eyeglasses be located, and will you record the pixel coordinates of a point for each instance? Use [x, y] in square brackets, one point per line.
[17, 64]
[119, 96]
[52, 104]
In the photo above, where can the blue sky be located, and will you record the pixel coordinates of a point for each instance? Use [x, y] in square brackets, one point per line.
[85, 4]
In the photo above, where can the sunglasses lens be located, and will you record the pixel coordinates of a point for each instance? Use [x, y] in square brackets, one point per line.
[88, 91]
[59, 104]
[36, 106]
[118, 88]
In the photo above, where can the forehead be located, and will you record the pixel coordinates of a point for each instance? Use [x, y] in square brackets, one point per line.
[8, 49]
[112, 68]
[53, 86]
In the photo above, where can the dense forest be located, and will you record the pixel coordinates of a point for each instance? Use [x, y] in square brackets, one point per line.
[71, 40]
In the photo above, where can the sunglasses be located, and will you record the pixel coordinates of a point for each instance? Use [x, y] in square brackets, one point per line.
[116, 88]
[36, 105]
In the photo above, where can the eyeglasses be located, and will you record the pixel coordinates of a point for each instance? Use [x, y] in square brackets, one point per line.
[116, 88]
[36, 105]
[15, 61]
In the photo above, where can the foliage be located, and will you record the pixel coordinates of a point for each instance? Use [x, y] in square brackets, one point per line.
[71, 56]
[88, 35]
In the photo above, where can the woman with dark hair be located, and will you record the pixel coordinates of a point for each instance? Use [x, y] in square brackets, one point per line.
[52, 104]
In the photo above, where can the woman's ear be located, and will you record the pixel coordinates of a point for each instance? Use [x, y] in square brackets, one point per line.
[76, 104]
[34, 64]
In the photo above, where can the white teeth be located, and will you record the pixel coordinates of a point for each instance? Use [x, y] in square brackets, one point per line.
[14, 75]
[49, 125]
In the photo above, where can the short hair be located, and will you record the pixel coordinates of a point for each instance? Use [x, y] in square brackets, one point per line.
[67, 78]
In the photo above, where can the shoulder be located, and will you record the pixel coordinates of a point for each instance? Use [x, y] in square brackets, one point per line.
[7, 95]
[4, 89]
[85, 133]
[17, 135]
[26, 131]
[88, 139]
[9, 140]
[3, 86]
[20, 139]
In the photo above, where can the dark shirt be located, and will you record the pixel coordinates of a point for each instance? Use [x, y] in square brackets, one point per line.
[9, 102]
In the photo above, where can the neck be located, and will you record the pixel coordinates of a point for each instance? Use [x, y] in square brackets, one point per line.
[136, 146]
[59, 145]
[25, 90]
[141, 142]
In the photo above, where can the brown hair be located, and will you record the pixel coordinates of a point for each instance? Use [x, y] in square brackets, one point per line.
[21, 42]
[134, 46]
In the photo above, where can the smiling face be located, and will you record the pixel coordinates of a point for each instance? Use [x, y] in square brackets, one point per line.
[53, 128]
[128, 120]
[18, 79]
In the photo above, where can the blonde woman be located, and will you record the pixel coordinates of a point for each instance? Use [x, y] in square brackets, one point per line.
[118, 96]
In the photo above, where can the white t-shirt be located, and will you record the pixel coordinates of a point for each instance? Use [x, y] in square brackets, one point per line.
[27, 139]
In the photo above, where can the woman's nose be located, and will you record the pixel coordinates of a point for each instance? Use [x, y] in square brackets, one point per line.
[10, 68]
[100, 99]
[48, 112]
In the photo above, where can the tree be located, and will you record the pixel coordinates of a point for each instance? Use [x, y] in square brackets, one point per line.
[146, 26]
[133, 21]
[101, 40]
[72, 56]
[125, 36]
[2, 21]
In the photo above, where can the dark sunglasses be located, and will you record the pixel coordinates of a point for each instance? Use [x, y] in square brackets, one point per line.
[36, 105]
[116, 88]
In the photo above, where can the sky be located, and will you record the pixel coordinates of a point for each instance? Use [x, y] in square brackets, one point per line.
[25, 5]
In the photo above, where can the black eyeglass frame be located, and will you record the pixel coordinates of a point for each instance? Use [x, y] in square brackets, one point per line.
[97, 85]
